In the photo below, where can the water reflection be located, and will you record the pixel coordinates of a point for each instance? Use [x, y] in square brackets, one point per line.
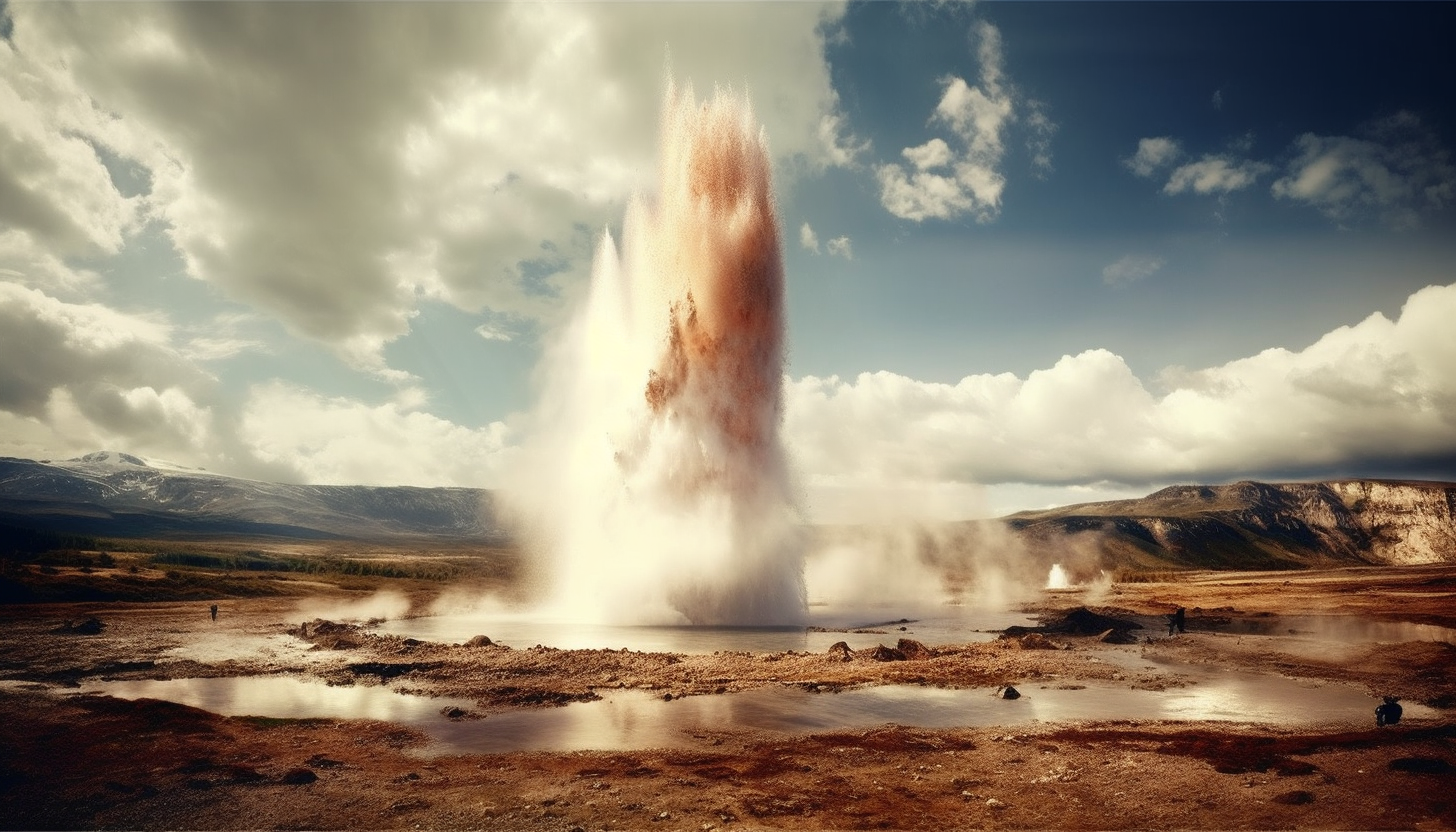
[638, 719]
[284, 697]
[932, 626]
[1345, 629]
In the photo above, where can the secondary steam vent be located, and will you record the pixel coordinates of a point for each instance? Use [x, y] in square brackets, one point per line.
[669, 498]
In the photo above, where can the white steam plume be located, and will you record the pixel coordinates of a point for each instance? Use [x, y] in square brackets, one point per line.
[658, 486]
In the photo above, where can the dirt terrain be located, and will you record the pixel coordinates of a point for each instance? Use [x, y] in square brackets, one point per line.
[71, 761]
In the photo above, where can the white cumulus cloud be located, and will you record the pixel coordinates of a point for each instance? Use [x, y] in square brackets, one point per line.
[942, 182]
[1379, 392]
[342, 441]
[335, 164]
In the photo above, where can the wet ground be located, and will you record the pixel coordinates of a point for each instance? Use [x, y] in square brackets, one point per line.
[1259, 716]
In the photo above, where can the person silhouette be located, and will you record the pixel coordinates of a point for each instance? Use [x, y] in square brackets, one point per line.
[214, 612]
[1388, 713]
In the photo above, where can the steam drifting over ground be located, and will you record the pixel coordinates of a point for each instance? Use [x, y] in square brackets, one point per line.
[658, 485]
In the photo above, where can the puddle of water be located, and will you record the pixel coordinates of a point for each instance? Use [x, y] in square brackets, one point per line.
[1344, 629]
[284, 697]
[639, 719]
[938, 625]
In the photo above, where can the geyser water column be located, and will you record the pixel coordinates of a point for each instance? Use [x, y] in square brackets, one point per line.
[667, 498]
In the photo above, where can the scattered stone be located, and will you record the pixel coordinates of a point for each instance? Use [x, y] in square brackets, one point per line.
[389, 670]
[1115, 636]
[320, 761]
[993, 803]
[1035, 641]
[1008, 692]
[409, 804]
[1422, 765]
[913, 649]
[882, 653]
[1295, 798]
[298, 777]
[242, 774]
[90, 627]
[841, 649]
[1078, 622]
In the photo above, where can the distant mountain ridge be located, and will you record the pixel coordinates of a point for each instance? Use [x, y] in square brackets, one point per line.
[1244, 525]
[1255, 525]
[114, 494]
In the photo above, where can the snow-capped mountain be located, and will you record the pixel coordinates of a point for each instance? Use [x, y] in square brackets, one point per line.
[110, 493]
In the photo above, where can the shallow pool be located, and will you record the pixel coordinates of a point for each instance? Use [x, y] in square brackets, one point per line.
[932, 626]
[638, 719]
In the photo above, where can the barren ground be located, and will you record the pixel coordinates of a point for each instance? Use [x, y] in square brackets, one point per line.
[94, 762]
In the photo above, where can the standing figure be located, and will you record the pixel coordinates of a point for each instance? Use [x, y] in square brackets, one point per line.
[214, 612]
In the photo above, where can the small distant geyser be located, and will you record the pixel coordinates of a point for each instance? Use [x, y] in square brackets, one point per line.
[664, 495]
[1057, 578]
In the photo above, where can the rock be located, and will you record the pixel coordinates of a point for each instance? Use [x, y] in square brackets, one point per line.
[841, 649]
[1296, 798]
[1035, 641]
[1422, 765]
[993, 803]
[298, 777]
[389, 670]
[320, 761]
[1008, 692]
[90, 627]
[913, 649]
[451, 712]
[479, 641]
[887, 654]
[1079, 621]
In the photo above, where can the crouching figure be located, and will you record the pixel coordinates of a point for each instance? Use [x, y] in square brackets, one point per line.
[1388, 713]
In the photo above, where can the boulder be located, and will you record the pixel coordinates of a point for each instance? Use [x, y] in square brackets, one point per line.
[887, 654]
[479, 641]
[1008, 692]
[298, 777]
[841, 650]
[914, 649]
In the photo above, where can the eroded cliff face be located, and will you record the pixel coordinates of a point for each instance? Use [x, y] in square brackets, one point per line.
[1406, 523]
[1254, 525]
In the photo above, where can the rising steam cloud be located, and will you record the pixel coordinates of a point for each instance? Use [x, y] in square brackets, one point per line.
[659, 488]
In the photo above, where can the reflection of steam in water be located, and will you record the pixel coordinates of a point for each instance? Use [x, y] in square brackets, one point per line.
[640, 719]
[1332, 635]
[659, 485]
[930, 624]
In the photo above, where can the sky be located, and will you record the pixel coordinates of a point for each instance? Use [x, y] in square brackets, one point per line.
[1036, 253]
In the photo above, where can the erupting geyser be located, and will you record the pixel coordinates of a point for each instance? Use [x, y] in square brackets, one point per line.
[1057, 578]
[664, 495]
